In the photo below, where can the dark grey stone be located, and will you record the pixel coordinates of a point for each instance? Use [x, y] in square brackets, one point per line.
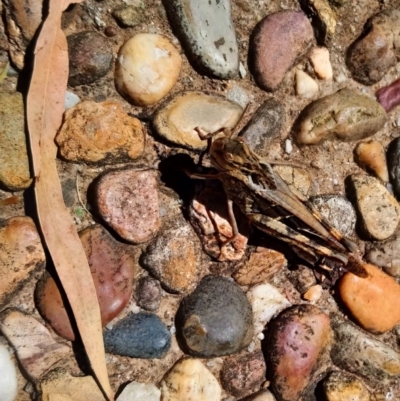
[393, 160]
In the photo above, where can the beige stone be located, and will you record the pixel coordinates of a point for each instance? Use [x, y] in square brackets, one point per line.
[306, 87]
[313, 294]
[320, 61]
[371, 155]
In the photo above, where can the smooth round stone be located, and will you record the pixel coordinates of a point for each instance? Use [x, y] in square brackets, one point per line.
[21, 252]
[128, 16]
[371, 156]
[127, 200]
[177, 120]
[14, 163]
[320, 61]
[147, 68]
[378, 209]
[340, 386]
[90, 57]
[370, 57]
[97, 132]
[216, 319]
[190, 380]
[306, 87]
[8, 377]
[148, 293]
[206, 31]
[264, 395]
[374, 301]
[113, 269]
[278, 42]
[389, 96]
[393, 160]
[265, 125]
[346, 115]
[313, 294]
[136, 391]
[298, 340]
[139, 335]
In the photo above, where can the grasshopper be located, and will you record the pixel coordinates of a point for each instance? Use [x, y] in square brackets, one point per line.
[266, 200]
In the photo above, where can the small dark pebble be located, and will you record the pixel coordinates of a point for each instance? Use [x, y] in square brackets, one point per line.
[148, 293]
[110, 31]
[393, 160]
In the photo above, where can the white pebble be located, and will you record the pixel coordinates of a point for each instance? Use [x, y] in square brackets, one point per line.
[265, 395]
[306, 87]
[288, 146]
[242, 70]
[260, 336]
[319, 58]
[8, 376]
[136, 391]
[71, 100]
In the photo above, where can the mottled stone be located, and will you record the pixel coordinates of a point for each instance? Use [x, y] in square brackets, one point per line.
[298, 179]
[340, 386]
[370, 57]
[297, 343]
[393, 160]
[176, 121]
[374, 301]
[36, 349]
[346, 115]
[14, 163]
[90, 57]
[136, 391]
[8, 377]
[378, 210]
[129, 16]
[241, 375]
[139, 335]
[113, 269]
[216, 319]
[147, 68]
[306, 87]
[190, 380]
[279, 41]
[97, 132]
[148, 293]
[371, 156]
[303, 278]
[320, 61]
[174, 258]
[21, 252]
[206, 31]
[127, 200]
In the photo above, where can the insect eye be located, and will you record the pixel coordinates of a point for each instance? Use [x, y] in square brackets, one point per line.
[228, 156]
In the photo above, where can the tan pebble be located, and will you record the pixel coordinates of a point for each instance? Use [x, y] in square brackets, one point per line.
[147, 68]
[190, 380]
[320, 61]
[373, 301]
[264, 395]
[371, 155]
[306, 87]
[344, 387]
[314, 293]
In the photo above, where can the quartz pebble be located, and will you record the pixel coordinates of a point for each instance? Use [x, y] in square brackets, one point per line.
[206, 31]
[135, 391]
[370, 57]
[389, 96]
[320, 62]
[340, 386]
[378, 209]
[96, 132]
[277, 43]
[393, 159]
[177, 120]
[147, 68]
[264, 395]
[306, 87]
[313, 294]
[374, 301]
[113, 269]
[346, 115]
[128, 16]
[8, 377]
[148, 293]
[127, 200]
[71, 100]
[215, 319]
[190, 380]
[14, 163]
[139, 335]
[371, 156]
[21, 252]
[90, 57]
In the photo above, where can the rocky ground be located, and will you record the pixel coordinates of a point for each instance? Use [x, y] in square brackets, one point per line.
[184, 317]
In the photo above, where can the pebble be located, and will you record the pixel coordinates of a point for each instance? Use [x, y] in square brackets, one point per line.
[139, 335]
[393, 159]
[127, 200]
[346, 115]
[340, 386]
[265, 125]
[128, 16]
[298, 179]
[303, 278]
[8, 377]
[147, 68]
[90, 57]
[355, 351]
[297, 343]
[174, 258]
[238, 95]
[100, 132]
[21, 252]
[371, 156]
[262, 265]
[266, 302]
[338, 211]
[313, 294]
[113, 269]
[207, 33]
[36, 349]
[306, 87]
[264, 395]
[209, 217]
[176, 120]
[190, 380]
[14, 163]
[389, 96]
[241, 375]
[278, 42]
[71, 100]
[374, 301]
[372, 54]
[215, 319]
[148, 293]
[378, 210]
[135, 391]
[321, 63]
